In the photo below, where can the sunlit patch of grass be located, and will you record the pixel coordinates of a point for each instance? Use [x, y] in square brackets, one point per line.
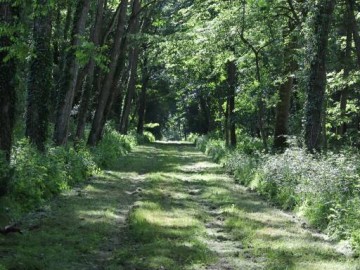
[163, 239]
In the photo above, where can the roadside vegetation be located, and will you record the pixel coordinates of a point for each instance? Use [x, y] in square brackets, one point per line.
[324, 189]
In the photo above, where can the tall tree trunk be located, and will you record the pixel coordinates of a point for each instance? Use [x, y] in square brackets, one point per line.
[40, 79]
[66, 97]
[142, 99]
[231, 73]
[99, 118]
[133, 62]
[205, 112]
[87, 92]
[354, 28]
[340, 130]
[317, 80]
[7, 91]
[134, 57]
[7, 84]
[285, 90]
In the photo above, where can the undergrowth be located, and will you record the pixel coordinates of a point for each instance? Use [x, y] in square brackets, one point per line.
[32, 177]
[325, 189]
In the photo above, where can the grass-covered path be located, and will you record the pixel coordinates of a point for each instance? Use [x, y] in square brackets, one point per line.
[166, 206]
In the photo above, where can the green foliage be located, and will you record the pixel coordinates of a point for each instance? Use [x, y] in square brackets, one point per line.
[192, 137]
[215, 148]
[201, 142]
[248, 145]
[37, 177]
[112, 146]
[325, 189]
[146, 137]
[242, 166]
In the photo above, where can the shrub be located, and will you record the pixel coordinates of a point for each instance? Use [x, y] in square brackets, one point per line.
[243, 167]
[247, 144]
[146, 137]
[192, 137]
[37, 177]
[216, 149]
[201, 143]
[324, 188]
[112, 146]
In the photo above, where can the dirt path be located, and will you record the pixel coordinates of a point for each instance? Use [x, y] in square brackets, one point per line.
[167, 207]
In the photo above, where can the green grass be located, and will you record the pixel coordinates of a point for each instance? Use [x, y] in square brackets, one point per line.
[165, 207]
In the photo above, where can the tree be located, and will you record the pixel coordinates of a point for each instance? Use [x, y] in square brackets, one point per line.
[7, 77]
[89, 85]
[40, 78]
[230, 103]
[317, 78]
[133, 62]
[100, 118]
[70, 73]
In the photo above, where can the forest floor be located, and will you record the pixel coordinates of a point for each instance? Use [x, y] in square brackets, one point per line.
[167, 206]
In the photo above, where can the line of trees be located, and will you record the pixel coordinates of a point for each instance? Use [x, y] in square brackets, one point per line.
[64, 65]
[268, 69]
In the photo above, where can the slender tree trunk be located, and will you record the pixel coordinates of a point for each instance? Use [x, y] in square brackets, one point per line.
[99, 118]
[40, 79]
[354, 28]
[66, 97]
[87, 92]
[317, 80]
[134, 57]
[231, 71]
[142, 99]
[205, 112]
[130, 92]
[346, 65]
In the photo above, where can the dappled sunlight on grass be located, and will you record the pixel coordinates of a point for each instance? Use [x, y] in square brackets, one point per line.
[166, 206]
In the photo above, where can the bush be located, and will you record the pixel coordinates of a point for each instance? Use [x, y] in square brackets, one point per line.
[325, 189]
[112, 146]
[243, 167]
[146, 137]
[216, 149]
[192, 137]
[248, 145]
[37, 177]
[201, 143]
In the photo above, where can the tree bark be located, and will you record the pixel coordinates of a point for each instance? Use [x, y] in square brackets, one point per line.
[134, 57]
[7, 92]
[142, 99]
[66, 97]
[317, 80]
[7, 84]
[40, 79]
[355, 28]
[88, 89]
[285, 91]
[231, 71]
[340, 130]
[99, 118]
[133, 60]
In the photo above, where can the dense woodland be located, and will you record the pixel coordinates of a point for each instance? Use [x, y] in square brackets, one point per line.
[269, 87]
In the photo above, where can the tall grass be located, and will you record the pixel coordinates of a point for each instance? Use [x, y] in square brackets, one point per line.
[325, 189]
